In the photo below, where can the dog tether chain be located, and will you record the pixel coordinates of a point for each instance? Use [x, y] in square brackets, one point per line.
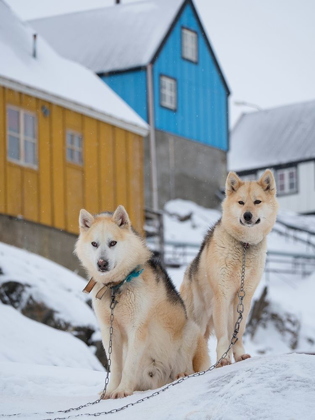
[234, 339]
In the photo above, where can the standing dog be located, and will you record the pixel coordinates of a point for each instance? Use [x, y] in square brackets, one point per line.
[153, 341]
[212, 280]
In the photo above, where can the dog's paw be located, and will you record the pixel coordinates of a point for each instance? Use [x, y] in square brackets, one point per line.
[182, 375]
[243, 357]
[224, 362]
[119, 394]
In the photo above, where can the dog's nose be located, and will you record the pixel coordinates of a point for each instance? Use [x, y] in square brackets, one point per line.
[102, 264]
[248, 216]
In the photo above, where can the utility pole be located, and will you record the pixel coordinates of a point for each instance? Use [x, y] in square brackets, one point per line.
[155, 200]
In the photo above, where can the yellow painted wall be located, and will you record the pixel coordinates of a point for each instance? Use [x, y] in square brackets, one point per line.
[53, 194]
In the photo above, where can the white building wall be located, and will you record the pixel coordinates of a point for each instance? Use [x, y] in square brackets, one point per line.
[304, 200]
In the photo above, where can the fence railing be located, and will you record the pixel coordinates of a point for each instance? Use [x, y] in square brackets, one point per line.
[177, 254]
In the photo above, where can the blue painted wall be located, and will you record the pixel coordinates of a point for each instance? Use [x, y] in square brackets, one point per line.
[201, 113]
[132, 88]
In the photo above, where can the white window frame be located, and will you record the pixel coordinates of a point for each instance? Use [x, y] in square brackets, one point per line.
[287, 189]
[190, 45]
[22, 137]
[74, 148]
[168, 92]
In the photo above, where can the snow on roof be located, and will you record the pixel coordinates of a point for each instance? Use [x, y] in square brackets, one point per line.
[56, 79]
[273, 136]
[111, 38]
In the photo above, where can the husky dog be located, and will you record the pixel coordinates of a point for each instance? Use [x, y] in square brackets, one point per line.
[153, 341]
[212, 280]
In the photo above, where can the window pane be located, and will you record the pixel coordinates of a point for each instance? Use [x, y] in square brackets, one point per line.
[77, 141]
[69, 139]
[70, 155]
[76, 156]
[14, 120]
[29, 126]
[14, 148]
[30, 152]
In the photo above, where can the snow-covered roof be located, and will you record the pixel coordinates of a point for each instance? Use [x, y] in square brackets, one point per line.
[51, 77]
[273, 137]
[111, 38]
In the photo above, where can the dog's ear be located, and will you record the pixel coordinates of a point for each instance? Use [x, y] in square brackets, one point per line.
[233, 182]
[85, 220]
[121, 218]
[267, 182]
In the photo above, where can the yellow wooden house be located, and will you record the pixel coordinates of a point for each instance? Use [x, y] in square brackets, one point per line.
[67, 141]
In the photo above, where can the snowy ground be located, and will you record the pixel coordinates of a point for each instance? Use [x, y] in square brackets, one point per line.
[273, 388]
[43, 369]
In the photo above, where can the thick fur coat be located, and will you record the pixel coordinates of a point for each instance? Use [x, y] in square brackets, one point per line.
[212, 280]
[153, 342]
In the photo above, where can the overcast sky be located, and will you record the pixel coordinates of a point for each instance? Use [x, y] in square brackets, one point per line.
[266, 48]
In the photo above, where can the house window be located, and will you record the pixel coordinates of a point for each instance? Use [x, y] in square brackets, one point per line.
[189, 45]
[168, 92]
[287, 181]
[22, 137]
[74, 147]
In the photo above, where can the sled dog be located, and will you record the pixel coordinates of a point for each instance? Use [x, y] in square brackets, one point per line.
[212, 280]
[154, 342]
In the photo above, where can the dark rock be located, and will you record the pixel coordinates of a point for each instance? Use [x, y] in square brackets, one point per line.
[12, 293]
[1, 271]
[100, 353]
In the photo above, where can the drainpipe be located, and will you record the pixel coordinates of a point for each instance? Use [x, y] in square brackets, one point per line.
[155, 201]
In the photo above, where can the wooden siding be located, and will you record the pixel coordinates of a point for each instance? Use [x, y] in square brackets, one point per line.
[201, 113]
[131, 86]
[202, 105]
[53, 194]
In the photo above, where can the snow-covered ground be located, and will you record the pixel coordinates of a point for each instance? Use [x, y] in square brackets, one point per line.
[264, 388]
[44, 369]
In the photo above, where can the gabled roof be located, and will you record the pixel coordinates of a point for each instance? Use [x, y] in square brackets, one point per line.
[115, 38]
[273, 137]
[60, 81]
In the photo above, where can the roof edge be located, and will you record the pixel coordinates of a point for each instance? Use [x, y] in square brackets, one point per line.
[73, 106]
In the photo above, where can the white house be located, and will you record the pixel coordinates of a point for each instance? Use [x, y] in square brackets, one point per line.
[282, 139]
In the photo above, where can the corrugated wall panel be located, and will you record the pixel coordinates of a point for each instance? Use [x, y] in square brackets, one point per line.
[121, 168]
[132, 87]
[45, 170]
[107, 168]
[53, 194]
[58, 164]
[2, 150]
[90, 159]
[201, 113]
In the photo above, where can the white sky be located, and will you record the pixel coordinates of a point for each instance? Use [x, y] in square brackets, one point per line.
[266, 48]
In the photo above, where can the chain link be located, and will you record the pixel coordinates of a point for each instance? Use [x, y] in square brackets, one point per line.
[234, 339]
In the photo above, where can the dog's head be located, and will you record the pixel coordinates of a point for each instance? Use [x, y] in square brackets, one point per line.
[250, 207]
[108, 246]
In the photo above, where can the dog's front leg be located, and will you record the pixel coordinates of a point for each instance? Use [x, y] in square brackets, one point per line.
[238, 348]
[221, 310]
[137, 342]
[116, 358]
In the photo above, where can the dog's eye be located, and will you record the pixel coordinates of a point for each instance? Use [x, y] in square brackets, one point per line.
[112, 243]
[94, 244]
[257, 202]
[241, 203]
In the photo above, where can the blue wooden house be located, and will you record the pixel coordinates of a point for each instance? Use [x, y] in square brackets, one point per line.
[156, 55]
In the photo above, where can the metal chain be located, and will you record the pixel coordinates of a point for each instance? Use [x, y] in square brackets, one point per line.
[234, 339]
